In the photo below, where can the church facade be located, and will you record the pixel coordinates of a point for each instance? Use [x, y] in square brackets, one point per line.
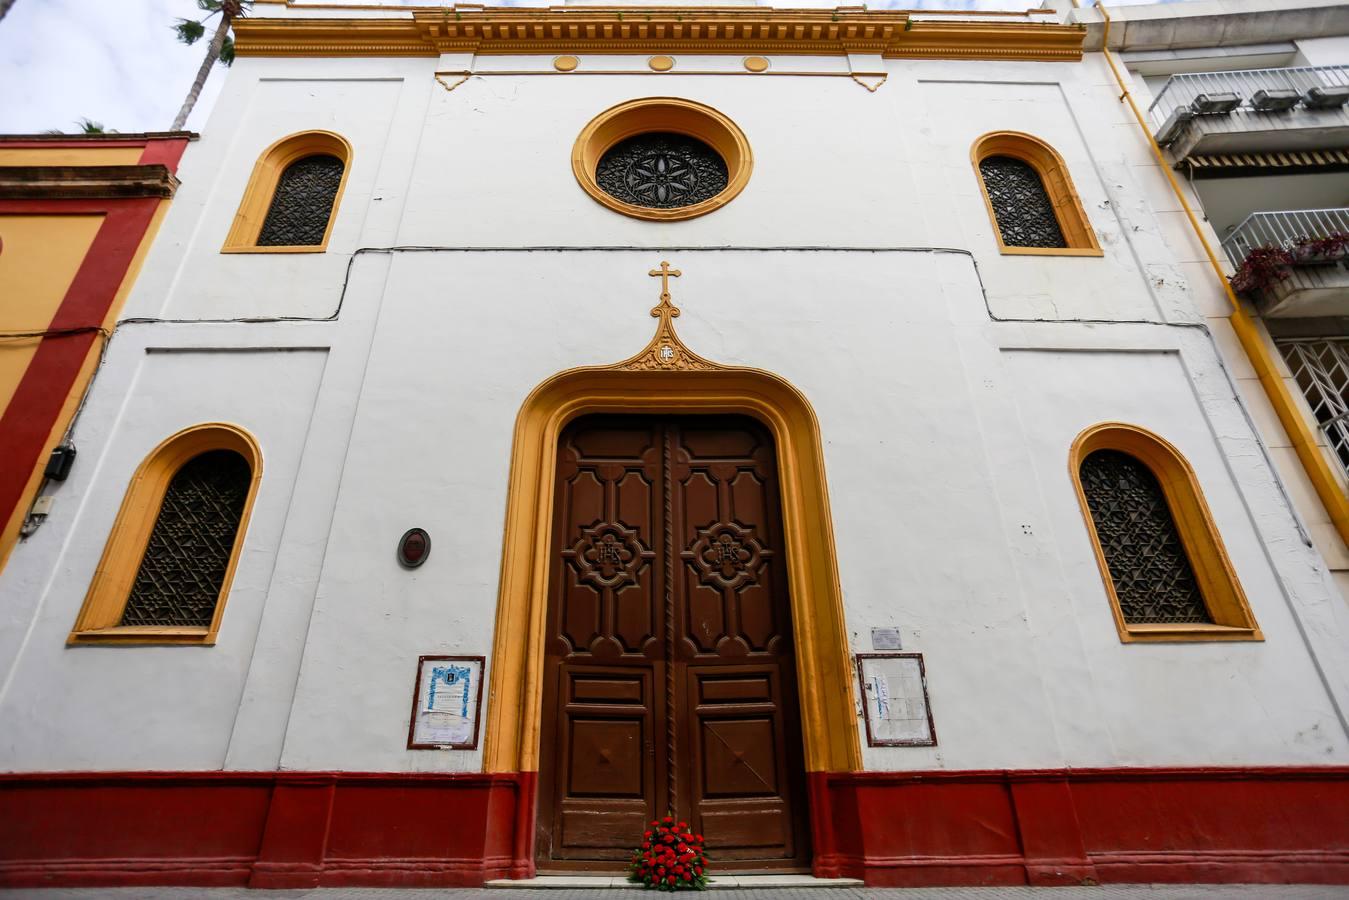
[821, 426]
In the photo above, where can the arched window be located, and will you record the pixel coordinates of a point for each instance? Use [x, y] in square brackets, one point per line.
[1165, 570]
[1030, 197]
[291, 200]
[302, 203]
[167, 566]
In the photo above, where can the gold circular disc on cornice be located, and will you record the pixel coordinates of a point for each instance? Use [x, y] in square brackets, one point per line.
[565, 63]
[661, 63]
[664, 114]
[756, 63]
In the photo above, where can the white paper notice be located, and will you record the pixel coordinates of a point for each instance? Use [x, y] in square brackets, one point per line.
[447, 707]
[880, 692]
[897, 703]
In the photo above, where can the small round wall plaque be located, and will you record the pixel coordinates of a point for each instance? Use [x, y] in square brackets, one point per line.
[414, 547]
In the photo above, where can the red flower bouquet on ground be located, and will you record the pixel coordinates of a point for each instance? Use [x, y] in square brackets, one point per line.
[671, 858]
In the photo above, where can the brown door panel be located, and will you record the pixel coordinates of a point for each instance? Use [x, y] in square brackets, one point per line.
[745, 772]
[590, 834]
[748, 834]
[671, 681]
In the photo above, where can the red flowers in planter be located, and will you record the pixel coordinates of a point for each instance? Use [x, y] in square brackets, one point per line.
[671, 858]
[1262, 267]
[1330, 248]
[1266, 266]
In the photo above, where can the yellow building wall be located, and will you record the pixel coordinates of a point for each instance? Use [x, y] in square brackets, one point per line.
[70, 156]
[39, 256]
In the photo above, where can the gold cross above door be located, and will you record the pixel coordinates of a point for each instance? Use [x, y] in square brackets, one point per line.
[664, 273]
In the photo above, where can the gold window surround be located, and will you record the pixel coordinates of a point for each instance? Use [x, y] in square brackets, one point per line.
[1218, 585]
[609, 30]
[670, 114]
[107, 597]
[262, 184]
[1058, 185]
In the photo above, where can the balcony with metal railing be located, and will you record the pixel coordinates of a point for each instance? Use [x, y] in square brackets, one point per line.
[1293, 262]
[1297, 109]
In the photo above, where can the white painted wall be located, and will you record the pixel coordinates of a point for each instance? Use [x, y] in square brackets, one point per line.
[1324, 51]
[102, 707]
[948, 384]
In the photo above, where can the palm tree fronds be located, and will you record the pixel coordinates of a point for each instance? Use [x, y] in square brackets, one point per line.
[220, 49]
[89, 126]
[189, 30]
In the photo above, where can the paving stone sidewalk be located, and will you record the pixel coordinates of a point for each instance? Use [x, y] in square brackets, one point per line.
[1109, 892]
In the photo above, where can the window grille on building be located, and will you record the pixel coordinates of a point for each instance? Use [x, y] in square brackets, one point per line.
[1021, 206]
[179, 579]
[660, 170]
[1321, 369]
[1148, 564]
[302, 203]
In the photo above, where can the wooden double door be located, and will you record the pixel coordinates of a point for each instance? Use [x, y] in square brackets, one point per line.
[670, 680]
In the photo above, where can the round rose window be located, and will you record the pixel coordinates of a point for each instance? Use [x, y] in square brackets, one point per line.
[661, 170]
[662, 159]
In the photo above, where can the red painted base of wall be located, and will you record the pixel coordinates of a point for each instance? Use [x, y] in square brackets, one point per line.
[1268, 825]
[269, 830]
[288, 830]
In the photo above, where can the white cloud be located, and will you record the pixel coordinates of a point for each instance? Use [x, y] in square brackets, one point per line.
[116, 63]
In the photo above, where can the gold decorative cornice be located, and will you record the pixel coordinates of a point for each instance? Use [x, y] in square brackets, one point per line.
[574, 30]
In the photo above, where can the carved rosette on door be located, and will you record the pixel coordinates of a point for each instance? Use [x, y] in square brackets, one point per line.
[671, 683]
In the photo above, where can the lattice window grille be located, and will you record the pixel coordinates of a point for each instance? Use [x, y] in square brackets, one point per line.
[302, 203]
[660, 170]
[1321, 369]
[1021, 206]
[1154, 581]
[179, 579]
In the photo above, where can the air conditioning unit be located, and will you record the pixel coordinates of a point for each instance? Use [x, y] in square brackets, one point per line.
[1326, 97]
[1275, 100]
[1215, 104]
[1174, 124]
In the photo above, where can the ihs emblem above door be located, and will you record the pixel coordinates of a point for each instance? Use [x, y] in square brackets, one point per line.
[666, 352]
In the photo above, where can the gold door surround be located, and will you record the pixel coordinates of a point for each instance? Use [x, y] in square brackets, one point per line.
[667, 377]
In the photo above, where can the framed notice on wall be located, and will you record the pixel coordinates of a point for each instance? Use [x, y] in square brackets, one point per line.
[894, 700]
[445, 703]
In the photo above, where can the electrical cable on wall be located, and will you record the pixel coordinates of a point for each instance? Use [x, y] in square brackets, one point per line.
[1303, 533]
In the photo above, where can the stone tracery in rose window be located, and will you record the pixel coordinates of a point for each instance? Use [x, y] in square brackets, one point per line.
[661, 170]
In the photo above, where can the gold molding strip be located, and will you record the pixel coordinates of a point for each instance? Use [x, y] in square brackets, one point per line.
[575, 30]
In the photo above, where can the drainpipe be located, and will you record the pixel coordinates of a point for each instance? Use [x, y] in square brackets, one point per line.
[1257, 351]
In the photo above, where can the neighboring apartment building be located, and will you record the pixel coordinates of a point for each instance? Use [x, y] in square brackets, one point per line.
[820, 424]
[1249, 102]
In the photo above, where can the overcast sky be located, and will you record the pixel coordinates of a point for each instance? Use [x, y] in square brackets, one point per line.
[118, 62]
